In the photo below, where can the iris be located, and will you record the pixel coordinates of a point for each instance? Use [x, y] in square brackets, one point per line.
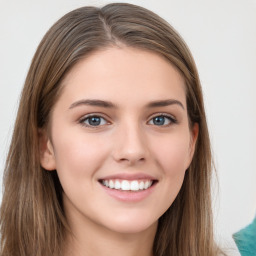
[94, 120]
[159, 120]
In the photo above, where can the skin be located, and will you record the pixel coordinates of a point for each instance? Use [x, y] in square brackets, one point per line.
[126, 141]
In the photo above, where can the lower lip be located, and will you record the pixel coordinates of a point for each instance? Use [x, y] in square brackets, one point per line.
[129, 196]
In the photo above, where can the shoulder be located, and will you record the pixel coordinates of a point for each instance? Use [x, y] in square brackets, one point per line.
[245, 239]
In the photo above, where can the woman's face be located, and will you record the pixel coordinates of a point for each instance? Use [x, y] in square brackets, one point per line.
[120, 139]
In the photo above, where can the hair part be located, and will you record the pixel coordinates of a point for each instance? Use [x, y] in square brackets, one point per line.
[32, 217]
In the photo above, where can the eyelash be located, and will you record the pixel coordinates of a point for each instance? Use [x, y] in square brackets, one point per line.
[82, 121]
[87, 117]
[171, 119]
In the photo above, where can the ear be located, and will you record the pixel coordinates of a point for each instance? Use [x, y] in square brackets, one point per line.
[47, 157]
[193, 139]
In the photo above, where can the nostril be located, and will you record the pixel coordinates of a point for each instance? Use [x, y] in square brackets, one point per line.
[132, 160]
[130, 148]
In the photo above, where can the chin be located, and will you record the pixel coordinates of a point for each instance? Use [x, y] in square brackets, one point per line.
[128, 225]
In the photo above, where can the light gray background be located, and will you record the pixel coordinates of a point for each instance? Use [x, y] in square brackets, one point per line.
[222, 37]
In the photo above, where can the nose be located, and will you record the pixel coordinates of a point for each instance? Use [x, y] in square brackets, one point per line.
[130, 145]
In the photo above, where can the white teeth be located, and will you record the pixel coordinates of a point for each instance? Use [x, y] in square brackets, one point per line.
[141, 185]
[147, 184]
[134, 185]
[111, 184]
[126, 185]
[117, 185]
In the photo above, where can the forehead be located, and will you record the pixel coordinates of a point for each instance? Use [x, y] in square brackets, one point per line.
[124, 73]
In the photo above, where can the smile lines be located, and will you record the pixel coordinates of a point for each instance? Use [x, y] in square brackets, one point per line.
[127, 185]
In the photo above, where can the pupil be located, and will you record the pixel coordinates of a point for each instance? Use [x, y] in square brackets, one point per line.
[94, 121]
[159, 120]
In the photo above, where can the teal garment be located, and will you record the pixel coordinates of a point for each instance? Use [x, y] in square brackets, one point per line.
[246, 240]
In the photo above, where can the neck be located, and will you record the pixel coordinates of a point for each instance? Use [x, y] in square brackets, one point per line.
[88, 242]
[89, 239]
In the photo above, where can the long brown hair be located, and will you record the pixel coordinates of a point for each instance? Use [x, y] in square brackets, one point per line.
[32, 218]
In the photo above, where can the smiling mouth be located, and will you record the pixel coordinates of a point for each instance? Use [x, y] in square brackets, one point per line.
[128, 185]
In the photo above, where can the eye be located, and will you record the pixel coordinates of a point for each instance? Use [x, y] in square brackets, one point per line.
[162, 120]
[93, 120]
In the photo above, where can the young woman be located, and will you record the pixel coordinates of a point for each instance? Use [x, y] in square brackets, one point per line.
[110, 153]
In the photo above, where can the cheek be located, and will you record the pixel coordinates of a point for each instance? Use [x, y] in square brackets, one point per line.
[78, 155]
[172, 162]
[78, 159]
[172, 154]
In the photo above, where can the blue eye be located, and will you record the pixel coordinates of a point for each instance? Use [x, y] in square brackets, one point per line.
[162, 120]
[93, 121]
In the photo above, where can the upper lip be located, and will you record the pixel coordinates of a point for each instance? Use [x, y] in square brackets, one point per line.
[129, 176]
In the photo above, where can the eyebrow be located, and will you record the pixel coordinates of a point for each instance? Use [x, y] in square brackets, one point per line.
[164, 103]
[96, 103]
[108, 104]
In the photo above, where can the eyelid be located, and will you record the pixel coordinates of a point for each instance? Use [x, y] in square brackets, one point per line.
[96, 114]
[172, 118]
[81, 120]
